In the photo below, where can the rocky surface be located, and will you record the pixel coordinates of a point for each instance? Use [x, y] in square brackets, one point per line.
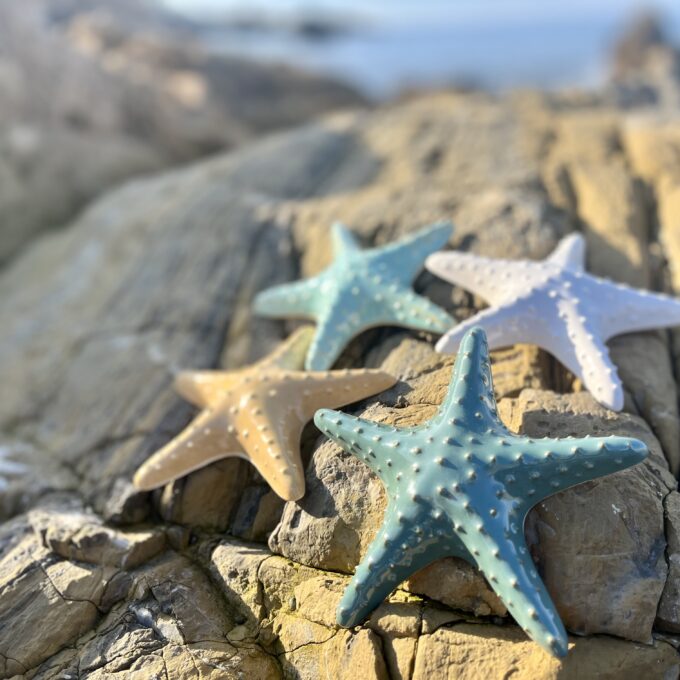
[213, 576]
[86, 102]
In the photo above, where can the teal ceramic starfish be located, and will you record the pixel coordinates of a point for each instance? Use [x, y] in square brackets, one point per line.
[462, 484]
[360, 290]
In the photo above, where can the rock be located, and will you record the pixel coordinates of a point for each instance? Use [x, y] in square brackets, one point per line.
[646, 369]
[645, 66]
[39, 592]
[457, 584]
[206, 498]
[668, 615]
[174, 620]
[88, 101]
[473, 651]
[80, 536]
[158, 276]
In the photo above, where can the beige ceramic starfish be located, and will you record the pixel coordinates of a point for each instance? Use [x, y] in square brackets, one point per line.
[257, 413]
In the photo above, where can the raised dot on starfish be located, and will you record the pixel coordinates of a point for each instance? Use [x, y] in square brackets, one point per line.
[556, 305]
[257, 413]
[361, 289]
[463, 505]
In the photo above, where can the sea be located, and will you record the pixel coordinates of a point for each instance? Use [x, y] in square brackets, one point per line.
[395, 45]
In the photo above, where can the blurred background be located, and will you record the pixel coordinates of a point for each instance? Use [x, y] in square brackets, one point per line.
[388, 45]
[93, 92]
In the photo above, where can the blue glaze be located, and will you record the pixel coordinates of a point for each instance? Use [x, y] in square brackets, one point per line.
[361, 289]
[461, 485]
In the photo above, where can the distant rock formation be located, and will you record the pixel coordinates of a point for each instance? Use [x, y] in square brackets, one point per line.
[645, 68]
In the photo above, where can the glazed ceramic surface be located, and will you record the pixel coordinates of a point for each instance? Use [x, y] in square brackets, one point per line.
[257, 413]
[360, 290]
[461, 484]
[558, 306]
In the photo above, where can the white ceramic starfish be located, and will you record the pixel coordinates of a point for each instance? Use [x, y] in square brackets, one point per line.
[556, 305]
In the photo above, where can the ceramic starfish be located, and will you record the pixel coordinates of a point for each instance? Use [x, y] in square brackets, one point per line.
[360, 290]
[257, 413]
[558, 306]
[461, 484]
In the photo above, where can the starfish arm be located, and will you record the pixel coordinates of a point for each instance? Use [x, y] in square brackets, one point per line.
[471, 388]
[400, 548]
[205, 388]
[291, 353]
[344, 241]
[204, 441]
[626, 310]
[502, 324]
[586, 355]
[404, 308]
[269, 432]
[404, 258]
[486, 277]
[548, 466]
[570, 253]
[297, 299]
[361, 438]
[332, 389]
[334, 330]
[498, 544]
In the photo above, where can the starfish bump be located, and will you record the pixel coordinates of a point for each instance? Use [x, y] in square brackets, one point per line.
[360, 290]
[257, 413]
[558, 306]
[461, 485]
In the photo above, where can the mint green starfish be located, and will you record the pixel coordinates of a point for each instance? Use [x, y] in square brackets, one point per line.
[360, 290]
[462, 484]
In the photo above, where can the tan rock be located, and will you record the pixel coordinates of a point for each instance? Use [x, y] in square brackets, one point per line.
[206, 498]
[77, 535]
[668, 615]
[469, 651]
[39, 593]
[612, 207]
[398, 624]
[236, 567]
[646, 368]
[457, 584]
[154, 278]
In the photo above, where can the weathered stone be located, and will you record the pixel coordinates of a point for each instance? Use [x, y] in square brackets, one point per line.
[92, 100]
[80, 536]
[646, 369]
[398, 624]
[236, 567]
[468, 651]
[41, 593]
[457, 584]
[207, 498]
[258, 513]
[159, 276]
[173, 617]
[612, 207]
[668, 616]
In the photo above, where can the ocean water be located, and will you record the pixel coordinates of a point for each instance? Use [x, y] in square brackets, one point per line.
[399, 44]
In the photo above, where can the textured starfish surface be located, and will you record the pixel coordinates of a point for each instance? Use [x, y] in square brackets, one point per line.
[556, 305]
[257, 413]
[461, 484]
[360, 290]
